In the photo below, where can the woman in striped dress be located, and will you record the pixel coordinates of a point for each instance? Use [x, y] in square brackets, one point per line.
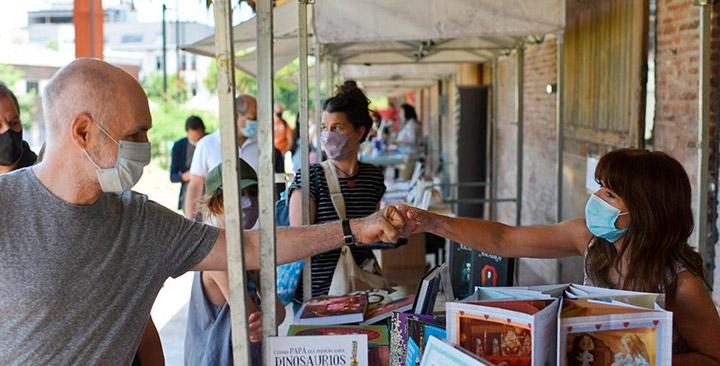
[346, 123]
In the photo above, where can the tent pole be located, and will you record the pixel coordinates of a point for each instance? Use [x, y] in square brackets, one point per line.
[560, 123]
[701, 220]
[266, 171]
[520, 105]
[307, 265]
[304, 132]
[494, 140]
[231, 180]
[303, 57]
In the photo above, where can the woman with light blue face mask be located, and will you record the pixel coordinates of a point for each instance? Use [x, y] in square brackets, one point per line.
[634, 237]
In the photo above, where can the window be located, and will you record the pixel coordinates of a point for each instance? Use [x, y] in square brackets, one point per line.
[183, 60]
[31, 86]
[193, 63]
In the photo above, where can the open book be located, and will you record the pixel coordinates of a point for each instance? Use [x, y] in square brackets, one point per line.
[563, 325]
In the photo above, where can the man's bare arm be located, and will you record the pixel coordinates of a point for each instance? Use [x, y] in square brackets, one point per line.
[295, 243]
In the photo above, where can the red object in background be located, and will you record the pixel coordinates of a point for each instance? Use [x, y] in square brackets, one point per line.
[88, 20]
[489, 276]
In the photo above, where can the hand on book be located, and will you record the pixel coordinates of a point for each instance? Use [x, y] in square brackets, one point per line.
[383, 226]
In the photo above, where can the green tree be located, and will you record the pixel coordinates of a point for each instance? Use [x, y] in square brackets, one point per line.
[177, 89]
[10, 76]
[169, 126]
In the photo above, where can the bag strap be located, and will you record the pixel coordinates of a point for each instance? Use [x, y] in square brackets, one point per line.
[334, 186]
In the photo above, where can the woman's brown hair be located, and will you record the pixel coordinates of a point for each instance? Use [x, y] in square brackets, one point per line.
[656, 190]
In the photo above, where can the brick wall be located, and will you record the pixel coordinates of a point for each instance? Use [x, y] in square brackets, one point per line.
[540, 147]
[677, 78]
[675, 126]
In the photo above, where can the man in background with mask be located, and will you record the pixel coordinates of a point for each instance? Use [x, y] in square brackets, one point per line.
[79, 277]
[207, 152]
[14, 152]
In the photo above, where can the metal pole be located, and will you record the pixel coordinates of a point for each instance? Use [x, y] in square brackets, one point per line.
[520, 105]
[268, 262]
[304, 133]
[560, 123]
[177, 46]
[701, 220]
[164, 50]
[231, 181]
[307, 265]
[494, 140]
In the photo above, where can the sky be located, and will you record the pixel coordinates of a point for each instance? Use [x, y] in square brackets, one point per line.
[13, 14]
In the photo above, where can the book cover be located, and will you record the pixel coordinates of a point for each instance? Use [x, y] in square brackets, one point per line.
[518, 333]
[461, 269]
[333, 310]
[377, 335]
[337, 350]
[596, 332]
[385, 311]
[491, 271]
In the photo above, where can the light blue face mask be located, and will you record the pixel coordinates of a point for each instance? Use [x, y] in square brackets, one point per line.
[250, 129]
[601, 216]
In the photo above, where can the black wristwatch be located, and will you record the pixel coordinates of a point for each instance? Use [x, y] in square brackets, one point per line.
[347, 234]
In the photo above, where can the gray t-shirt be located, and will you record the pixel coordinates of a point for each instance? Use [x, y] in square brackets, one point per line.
[77, 282]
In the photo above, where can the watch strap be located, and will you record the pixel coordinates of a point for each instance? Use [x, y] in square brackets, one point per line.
[347, 234]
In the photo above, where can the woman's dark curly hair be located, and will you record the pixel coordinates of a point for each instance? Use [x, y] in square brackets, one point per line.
[349, 99]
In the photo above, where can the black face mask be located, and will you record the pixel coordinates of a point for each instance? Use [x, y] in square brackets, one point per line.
[10, 147]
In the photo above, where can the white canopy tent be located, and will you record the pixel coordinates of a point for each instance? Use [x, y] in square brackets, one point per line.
[400, 32]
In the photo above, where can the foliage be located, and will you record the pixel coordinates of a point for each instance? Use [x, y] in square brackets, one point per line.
[10, 76]
[169, 126]
[286, 90]
[177, 89]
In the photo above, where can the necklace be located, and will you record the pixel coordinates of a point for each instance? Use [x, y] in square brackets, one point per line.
[351, 179]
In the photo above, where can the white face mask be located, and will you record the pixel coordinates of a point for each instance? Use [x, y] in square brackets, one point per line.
[128, 168]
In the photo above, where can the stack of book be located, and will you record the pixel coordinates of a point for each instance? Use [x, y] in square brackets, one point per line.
[365, 308]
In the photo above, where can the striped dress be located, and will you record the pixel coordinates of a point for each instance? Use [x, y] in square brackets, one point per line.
[360, 201]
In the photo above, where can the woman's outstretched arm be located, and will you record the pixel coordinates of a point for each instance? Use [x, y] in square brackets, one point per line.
[565, 239]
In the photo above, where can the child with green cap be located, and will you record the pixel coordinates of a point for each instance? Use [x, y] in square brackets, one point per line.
[208, 337]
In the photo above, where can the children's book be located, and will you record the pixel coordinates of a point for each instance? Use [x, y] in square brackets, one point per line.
[594, 326]
[333, 310]
[441, 353]
[611, 332]
[517, 332]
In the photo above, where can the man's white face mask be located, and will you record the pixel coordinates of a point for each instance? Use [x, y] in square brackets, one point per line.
[131, 159]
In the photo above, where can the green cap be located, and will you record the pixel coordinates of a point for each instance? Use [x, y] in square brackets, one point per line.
[213, 181]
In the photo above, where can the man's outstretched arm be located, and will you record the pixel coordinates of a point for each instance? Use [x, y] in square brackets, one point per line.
[295, 243]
